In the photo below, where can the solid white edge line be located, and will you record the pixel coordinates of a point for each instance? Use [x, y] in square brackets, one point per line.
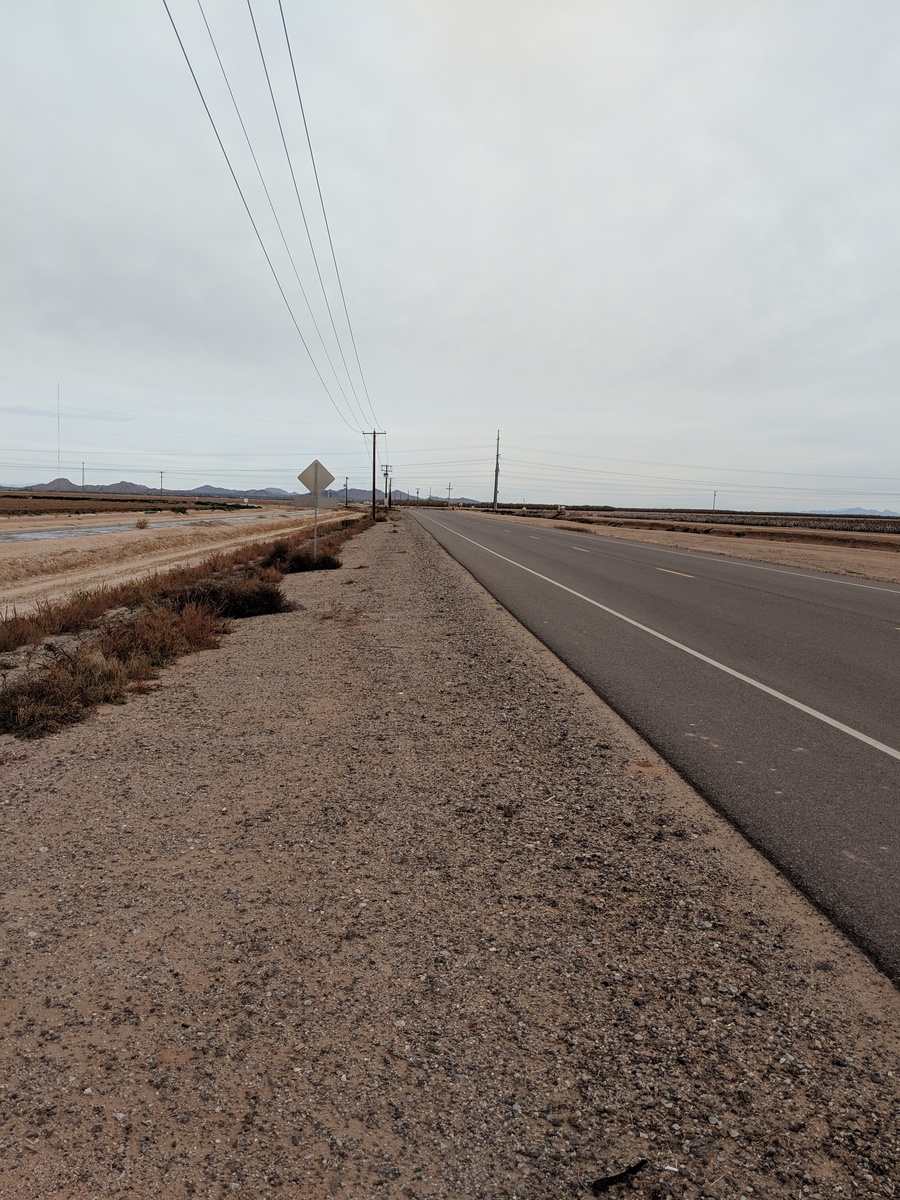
[763, 687]
[719, 557]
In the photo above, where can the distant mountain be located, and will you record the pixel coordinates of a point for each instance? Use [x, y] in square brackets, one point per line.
[852, 512]
[360, 496]
[354, 495]
[209, 491]
[62, 484]
[124, 488]
[271, 493]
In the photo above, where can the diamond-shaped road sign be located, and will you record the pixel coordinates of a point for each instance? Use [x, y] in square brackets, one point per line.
[316, 478]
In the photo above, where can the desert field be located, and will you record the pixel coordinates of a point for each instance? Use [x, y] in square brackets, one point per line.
[110, 548]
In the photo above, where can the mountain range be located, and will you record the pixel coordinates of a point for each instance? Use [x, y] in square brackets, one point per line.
[208, 491]
[852, 512]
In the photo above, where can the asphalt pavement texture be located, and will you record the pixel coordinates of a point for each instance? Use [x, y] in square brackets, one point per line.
[775, 692]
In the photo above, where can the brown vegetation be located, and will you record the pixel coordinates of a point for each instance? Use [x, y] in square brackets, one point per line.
[101, 669]
[166, 615]
[80, 610]
[291, 559]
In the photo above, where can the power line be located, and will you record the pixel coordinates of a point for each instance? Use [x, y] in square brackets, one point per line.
[325, 213]
[648, 462]
[252, 221]
[269, 199]
[584, 475]
[312, 248]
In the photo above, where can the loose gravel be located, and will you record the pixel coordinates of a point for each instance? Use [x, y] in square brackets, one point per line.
[378, 900]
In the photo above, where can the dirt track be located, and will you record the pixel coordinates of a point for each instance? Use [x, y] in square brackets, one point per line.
[48, 570]
[379, 900]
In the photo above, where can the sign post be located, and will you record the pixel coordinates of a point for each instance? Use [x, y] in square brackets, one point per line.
[316, 478]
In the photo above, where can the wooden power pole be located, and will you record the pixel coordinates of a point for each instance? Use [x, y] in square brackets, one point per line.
[375, 434]
[497, 471]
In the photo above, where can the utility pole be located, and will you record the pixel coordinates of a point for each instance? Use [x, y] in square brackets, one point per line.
[375, 433]
[58, 467]
[82, 477]
[497, 471]
[448, 495]
[417, 497]
[714, 500]
[346, 481]
[387, 500]
[390, 491]
[160, 485]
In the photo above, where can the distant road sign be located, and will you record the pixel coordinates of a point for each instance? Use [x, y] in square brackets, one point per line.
[316, 502]
[316, 477]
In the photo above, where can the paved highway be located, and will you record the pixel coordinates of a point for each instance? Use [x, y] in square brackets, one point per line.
[774, 691]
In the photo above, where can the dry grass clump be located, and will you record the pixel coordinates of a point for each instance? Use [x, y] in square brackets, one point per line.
[62, 693]
[83, 609]
[290, 555]
[102, 668]
[241, 593]
[289, 559]
[157, 636]
[45, 619]
[165, 616]
[174, 617]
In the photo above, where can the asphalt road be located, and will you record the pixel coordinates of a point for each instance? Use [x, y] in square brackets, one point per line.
[774, 691]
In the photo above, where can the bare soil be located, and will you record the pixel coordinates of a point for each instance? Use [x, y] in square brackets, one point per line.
[49, 570]
[379, 900]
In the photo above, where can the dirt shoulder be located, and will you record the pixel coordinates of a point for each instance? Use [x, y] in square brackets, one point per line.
[380, 900]
[49, 570]
[880, 564]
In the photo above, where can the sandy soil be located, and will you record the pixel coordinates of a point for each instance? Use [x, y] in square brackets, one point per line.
[42, 570]
[836, 560]
[378, 900]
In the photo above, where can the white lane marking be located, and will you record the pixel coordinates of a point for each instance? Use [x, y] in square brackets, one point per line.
[741, 562]
[681, 573]
[581, 549]
[712, 662]
[729, 562]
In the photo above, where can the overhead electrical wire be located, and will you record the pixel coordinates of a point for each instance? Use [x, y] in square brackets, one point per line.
[586, 476]
[575, 482]
[337, 272]
[262, 244]
[269, 199]
[649, 462]
[312, 248]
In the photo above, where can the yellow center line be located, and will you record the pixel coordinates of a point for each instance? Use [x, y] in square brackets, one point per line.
[681, 573]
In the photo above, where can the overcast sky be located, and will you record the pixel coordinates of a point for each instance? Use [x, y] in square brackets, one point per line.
[655, 244]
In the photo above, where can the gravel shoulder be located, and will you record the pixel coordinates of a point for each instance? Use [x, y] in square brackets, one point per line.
[380, 900]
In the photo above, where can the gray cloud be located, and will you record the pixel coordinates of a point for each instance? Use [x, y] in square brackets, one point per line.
[89, 414]
[644, 231]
